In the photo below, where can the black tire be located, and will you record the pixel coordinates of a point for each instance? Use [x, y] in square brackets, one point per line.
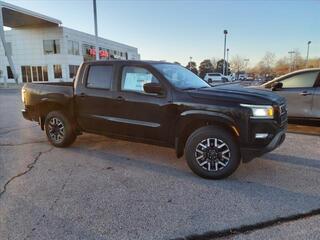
[225, 147]
[59, 129]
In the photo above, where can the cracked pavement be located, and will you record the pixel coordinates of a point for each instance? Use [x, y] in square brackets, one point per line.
[101, 188]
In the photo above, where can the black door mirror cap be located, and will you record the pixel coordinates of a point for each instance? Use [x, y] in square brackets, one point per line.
[153, 87]
[276, 85]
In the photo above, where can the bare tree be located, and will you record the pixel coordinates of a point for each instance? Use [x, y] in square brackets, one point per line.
[214, 62]
[237, 64]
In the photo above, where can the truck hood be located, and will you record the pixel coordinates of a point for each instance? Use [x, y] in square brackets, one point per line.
[239, 94]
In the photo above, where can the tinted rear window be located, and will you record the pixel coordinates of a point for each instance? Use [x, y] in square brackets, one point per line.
[99, 76]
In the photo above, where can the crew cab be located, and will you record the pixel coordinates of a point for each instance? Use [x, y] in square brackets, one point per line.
[162, 104]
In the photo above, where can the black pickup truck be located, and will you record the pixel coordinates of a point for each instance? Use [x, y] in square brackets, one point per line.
[163, 104]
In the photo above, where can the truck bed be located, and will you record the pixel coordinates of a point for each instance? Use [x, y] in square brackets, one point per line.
[59, 92]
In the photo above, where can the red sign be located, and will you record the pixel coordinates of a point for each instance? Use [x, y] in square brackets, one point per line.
[92, 51]
[102, 53]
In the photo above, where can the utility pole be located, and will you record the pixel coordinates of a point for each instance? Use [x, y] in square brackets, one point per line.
[96, 28]
[225, 32]
[308, 48]
[291, 60]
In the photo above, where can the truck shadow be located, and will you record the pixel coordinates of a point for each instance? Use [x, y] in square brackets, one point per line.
[305, 162]
[160, 163]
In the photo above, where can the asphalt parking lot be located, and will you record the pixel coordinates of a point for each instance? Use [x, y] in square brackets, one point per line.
[101, 188]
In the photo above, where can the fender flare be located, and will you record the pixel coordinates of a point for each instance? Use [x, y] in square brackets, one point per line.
[190, 116]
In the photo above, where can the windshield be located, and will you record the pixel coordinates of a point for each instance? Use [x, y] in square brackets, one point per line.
[180, 77]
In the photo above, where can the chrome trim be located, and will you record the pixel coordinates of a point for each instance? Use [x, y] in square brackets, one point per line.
[128, 121]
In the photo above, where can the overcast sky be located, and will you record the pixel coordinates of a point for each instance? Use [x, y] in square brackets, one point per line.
[175, 30]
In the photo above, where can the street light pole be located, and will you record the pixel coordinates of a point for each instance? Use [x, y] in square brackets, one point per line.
[227, 61]
[309, 42]
[96, 28]
[291, 60]
[225, 32]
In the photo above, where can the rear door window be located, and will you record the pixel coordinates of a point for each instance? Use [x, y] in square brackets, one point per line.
[100, 76]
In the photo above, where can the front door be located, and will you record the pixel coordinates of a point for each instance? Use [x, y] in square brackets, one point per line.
[299, 90]
[139, 114]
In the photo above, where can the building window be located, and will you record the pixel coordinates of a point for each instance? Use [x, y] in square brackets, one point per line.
[51, 46]
[45, 73]
[103, 53]
[88, 52]
[39, 72]
[73, 70]
[57, 71]
[9, 72]
[73, 47]
[34, 73]
[29, 74]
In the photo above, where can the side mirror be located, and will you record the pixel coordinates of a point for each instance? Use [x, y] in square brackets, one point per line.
[276, 85]
[152, 87]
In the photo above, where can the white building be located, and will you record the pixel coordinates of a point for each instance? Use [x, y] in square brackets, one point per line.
[42, 50]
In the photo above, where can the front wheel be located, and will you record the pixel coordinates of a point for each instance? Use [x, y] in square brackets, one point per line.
[59, 129]
[212, 153]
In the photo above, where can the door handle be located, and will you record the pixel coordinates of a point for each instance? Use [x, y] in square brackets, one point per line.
[120, 99]
[305, 93]
[82, 94]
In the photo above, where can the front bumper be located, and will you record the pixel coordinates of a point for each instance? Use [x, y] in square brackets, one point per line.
[250, 153]
[29, 114]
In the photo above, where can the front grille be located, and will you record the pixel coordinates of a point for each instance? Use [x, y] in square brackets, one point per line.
[283, 114]
[283, 109]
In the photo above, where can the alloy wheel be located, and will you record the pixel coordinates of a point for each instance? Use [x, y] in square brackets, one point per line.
[212, 154]
[56, 130]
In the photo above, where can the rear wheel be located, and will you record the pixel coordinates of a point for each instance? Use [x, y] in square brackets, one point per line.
[212, 153]
[59, 129]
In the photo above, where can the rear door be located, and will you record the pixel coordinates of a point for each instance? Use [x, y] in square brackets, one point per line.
[299, 90]
[93, 97]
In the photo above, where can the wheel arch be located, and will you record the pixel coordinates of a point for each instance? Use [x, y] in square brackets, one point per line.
[44, 107]
[193, 120]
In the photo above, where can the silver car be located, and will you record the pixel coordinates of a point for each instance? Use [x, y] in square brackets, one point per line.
[302, 91]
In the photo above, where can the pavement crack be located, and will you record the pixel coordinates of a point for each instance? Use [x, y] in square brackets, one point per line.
[30, 166]
[245, 229]
[51, 208]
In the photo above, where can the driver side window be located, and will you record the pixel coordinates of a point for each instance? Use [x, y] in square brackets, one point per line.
[133, 78]
[303, 80]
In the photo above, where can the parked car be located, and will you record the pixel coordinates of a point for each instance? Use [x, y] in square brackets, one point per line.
[302, 91]
[242, 77]
[163, 104]
[215, 78]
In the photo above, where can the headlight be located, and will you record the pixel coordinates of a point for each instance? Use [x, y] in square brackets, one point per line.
[260, 111]
[22, 94]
